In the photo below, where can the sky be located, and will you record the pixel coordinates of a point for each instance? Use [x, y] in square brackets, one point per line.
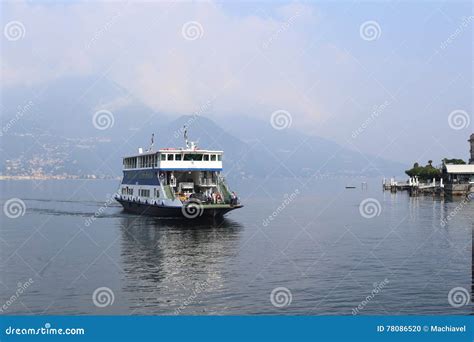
[390, 78]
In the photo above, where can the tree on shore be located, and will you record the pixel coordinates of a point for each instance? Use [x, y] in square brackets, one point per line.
[453, 161]
[424, 172]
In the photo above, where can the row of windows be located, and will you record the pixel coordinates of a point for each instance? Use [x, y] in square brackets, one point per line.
[127, 191]
[151, 160]
[189, 157]
[143, 192]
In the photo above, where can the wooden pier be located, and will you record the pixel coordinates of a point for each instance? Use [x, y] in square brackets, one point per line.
[414, 187]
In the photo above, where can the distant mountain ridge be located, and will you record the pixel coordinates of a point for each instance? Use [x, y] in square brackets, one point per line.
[57, 136]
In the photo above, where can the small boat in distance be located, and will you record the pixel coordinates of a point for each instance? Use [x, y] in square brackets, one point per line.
[176, 182]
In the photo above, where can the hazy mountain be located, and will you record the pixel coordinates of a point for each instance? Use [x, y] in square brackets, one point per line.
[51, 131]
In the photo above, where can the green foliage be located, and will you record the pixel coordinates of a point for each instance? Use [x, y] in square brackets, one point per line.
[454, 161]
[427, 172]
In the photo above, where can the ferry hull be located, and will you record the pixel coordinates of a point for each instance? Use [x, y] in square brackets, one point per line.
[208, 211]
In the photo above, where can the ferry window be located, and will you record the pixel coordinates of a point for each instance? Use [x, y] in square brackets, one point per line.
[206, 157]
[170, 156]
[219, 157]
[177, 157]
[193, 156]
[163, 156]
[213, 157]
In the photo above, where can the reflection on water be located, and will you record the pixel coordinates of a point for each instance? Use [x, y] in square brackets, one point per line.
[172, 257]
[319, 247]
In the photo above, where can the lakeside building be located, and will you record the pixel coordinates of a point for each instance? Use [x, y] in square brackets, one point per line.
[459, 178]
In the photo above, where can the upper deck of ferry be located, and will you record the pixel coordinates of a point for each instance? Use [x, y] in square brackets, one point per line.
[175, 159]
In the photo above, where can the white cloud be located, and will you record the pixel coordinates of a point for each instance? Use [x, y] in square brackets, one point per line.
[240, 62]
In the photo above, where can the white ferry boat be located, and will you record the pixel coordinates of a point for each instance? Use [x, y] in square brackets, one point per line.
[176, 182]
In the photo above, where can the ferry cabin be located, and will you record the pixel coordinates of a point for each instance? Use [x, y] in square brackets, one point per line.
[171, 176]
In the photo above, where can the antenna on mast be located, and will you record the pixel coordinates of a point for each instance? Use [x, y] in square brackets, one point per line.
[186, 136]
[152, 143]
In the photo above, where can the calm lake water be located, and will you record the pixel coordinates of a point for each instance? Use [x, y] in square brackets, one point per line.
[318, 254]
